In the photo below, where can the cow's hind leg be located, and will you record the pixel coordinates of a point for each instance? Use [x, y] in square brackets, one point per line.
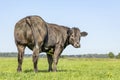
[21, 49]
[35, 58]
[50, 61]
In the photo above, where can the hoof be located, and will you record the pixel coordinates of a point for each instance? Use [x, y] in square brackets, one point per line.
[19, 70]
[50, 70]
[35, 70]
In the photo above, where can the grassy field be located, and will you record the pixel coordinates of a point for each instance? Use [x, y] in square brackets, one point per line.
[68, 69]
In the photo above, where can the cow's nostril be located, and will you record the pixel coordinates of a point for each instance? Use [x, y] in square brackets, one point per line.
[77, 42]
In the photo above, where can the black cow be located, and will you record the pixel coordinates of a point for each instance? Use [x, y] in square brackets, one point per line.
[39, 36]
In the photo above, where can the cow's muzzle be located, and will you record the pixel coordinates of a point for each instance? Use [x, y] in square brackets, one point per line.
[77, 45]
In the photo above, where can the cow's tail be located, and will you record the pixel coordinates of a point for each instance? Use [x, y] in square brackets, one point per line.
[29, 22]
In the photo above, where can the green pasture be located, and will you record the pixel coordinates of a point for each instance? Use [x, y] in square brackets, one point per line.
[68, 69]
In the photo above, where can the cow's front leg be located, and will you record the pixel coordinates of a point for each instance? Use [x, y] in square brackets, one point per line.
[50, 61]
[35, 58]
[56, 56]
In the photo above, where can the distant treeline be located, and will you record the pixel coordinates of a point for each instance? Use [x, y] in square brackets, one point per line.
[109, 55]
[87, 56]
[14, 54]
[11, 54]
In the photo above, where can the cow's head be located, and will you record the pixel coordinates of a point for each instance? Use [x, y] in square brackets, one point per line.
[75, 37]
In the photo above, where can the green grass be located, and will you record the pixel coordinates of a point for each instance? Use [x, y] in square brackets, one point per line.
[68, 69]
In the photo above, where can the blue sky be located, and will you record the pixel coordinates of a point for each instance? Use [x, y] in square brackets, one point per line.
[100, 18]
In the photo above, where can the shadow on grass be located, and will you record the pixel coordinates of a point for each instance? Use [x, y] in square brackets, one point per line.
[31, 70]
[46, 71]
[28, 70]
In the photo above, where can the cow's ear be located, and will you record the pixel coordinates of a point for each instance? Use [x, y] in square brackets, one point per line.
[83, 34]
